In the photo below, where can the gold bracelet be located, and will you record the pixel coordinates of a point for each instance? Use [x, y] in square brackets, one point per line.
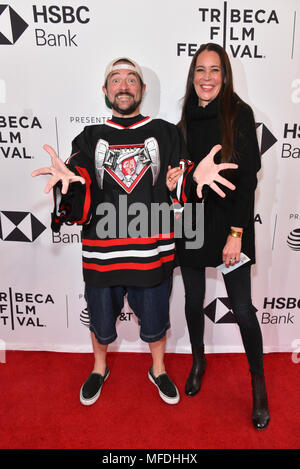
[236, 234]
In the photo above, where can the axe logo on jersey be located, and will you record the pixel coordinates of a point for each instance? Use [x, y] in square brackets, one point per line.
[127, 164]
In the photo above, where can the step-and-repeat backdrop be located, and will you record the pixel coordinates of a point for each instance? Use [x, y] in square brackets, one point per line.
[53, 56]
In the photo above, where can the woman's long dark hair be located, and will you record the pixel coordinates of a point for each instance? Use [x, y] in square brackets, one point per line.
[227, 100]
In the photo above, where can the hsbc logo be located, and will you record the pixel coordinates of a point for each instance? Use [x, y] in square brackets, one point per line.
[265, 138]
[12, 26]
[219, 311]
[20, 226]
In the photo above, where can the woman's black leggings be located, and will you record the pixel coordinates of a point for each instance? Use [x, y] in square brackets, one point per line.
[238, 286]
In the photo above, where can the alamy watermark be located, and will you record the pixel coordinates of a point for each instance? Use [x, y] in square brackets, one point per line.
[138, 220]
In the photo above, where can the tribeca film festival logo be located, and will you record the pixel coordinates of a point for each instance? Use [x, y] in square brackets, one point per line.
[12, 26]
[22, 309]
[12, 130]
[234, 28]
[20, 226]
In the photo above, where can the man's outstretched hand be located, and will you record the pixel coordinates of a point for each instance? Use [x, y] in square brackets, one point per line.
[59, 172]
[207, 172]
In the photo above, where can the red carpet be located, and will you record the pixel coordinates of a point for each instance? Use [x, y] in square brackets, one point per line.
[40, 405]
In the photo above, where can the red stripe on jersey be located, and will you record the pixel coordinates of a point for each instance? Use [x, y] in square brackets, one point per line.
[87, 201]
[125, 241]
[139, 145]
[183, 194]
[133, 125]
[143, 120]
[129, 265]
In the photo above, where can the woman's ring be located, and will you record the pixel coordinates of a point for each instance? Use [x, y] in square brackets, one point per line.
[232, 259]
[169, 178]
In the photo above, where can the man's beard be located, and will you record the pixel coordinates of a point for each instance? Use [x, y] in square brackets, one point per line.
[130, 109]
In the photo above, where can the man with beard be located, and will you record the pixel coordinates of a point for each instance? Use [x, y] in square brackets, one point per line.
[129, 157]
[126, 90]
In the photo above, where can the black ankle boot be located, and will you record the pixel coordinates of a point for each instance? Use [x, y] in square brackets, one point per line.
[193, 383]
[260, 412]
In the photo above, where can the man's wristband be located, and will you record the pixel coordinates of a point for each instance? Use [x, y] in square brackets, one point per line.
[236, 234]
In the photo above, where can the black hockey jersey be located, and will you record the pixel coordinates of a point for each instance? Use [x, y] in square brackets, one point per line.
[124, 205]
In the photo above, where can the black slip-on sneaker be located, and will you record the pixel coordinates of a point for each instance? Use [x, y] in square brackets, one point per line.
[91, 389]
[166, 388]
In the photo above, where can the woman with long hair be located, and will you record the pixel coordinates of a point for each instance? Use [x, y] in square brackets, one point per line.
[213, 114]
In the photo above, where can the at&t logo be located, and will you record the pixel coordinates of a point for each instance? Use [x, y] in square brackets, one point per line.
[293, 240]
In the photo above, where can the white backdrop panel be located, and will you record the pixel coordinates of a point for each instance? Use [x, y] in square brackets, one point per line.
[53, 56]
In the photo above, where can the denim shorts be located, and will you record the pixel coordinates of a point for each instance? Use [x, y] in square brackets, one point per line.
[149, 304]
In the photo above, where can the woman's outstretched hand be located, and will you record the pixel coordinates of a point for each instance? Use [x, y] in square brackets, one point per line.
[207, 172]
[59, 172]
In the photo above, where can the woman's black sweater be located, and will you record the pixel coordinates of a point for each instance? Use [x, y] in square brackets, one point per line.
[237, 208]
